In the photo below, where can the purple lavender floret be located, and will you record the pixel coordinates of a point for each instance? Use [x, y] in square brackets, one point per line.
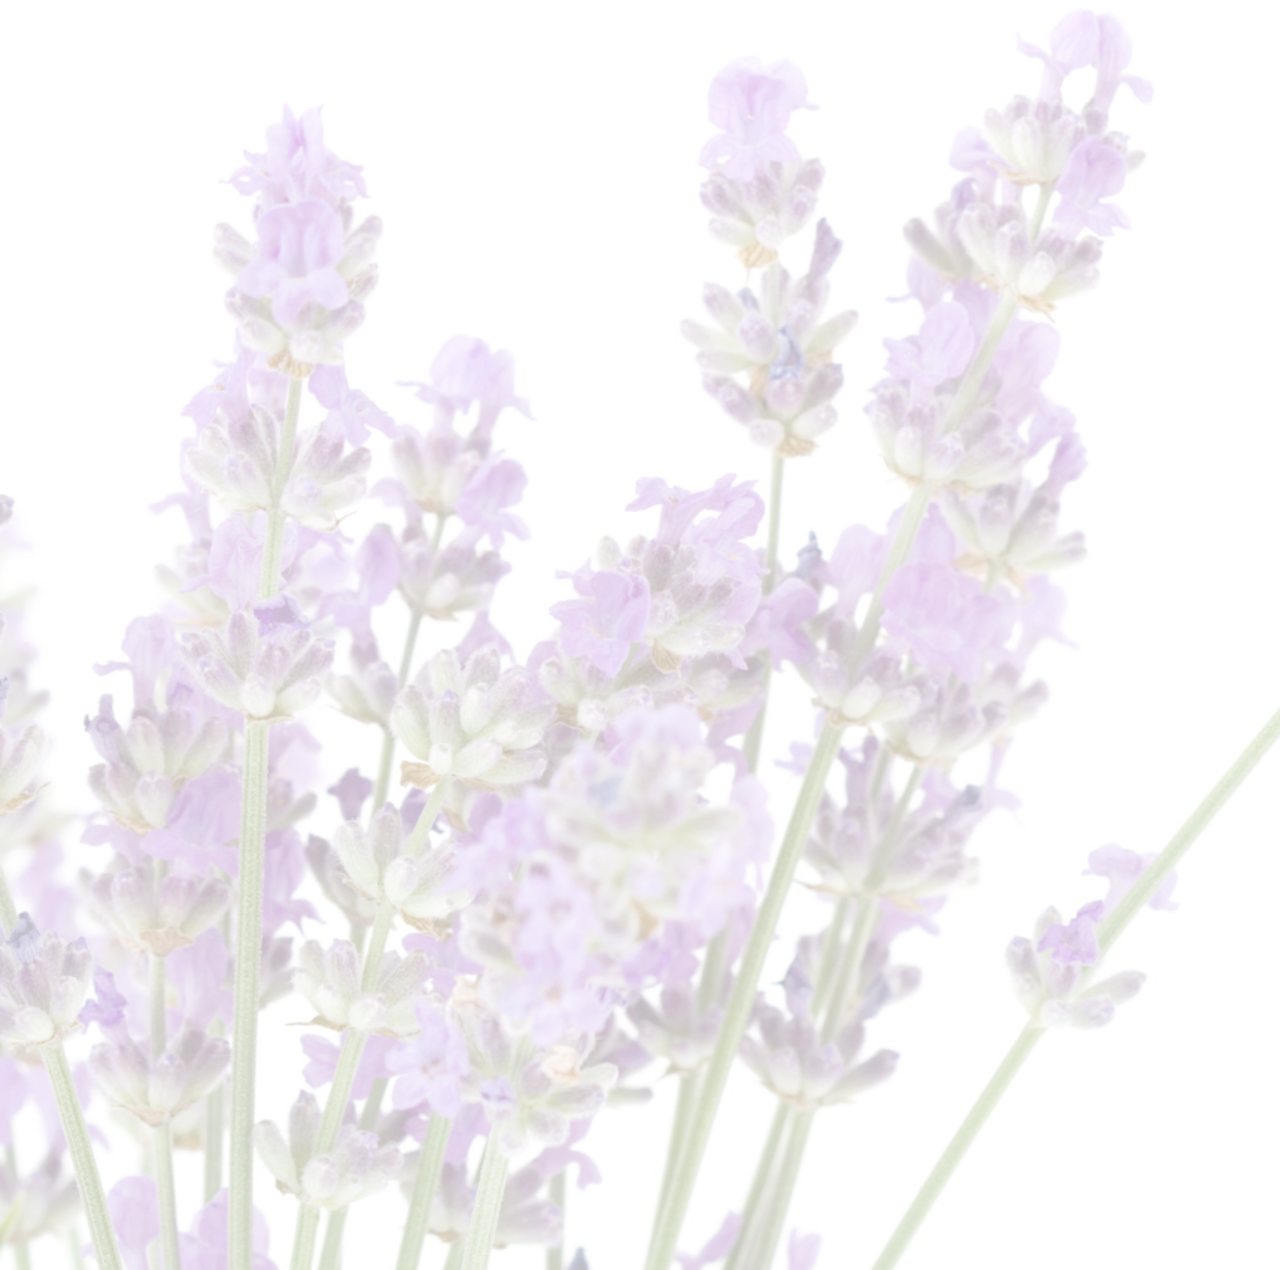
[752, 104]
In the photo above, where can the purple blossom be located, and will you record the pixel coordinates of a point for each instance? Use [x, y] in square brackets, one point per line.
[351, 790]
[752, 105]
[205, 1248]
[107, 1006]
[199, 973]
[802, 1250]
[940, 351]
[351, 413]
[1095, 170]
[134, 1206]
[430, 1065]
[717, 1248]
[322, 1063]
[298, 246]
[496, 485]
[297, 165]
[1075, 943]
[776, 623]
[228, 393]
[464, 372]
[1122, 868]
[945, 618]
[279, 613]
[610, 615]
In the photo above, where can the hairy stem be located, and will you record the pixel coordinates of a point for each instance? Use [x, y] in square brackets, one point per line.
[555, 1254]
[427, 817]
[88, 1179]
[269, 583]
[8, 913]
[488, 1204]
[779, 1201]
[425, 1181]
[162, 1135]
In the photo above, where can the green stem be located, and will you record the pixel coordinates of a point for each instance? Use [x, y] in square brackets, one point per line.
[1112, 927]
[389, 737]
[686, 1100]
[213, 1145]
[427, 817]
[162, 1134]
[885, 849]
[741, 998]
[488, 1205]
[770, 1227]
[958, 1146]
[269, 583]
[87, 1178]
[761, 1184]
[967, 393]
[8, 913]
[22, 1257]
[555, 1255]
[454, 1260]
[73, 1244]
[425, 1181]
[244, 1034]
[755, 733]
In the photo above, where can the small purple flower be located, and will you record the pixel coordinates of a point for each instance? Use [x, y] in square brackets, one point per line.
[1122, 868]
[465, 371]
[351, 790]
[430, 1064]
[351, 413]
[752, 105]
[941, 350]
[1094, 171]
[1075, 943]
[610, 616]
[280, 613]
[135, 1214]
[945, 618]
[298, 247]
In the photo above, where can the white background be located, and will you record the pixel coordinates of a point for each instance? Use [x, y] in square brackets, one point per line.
[535, 166]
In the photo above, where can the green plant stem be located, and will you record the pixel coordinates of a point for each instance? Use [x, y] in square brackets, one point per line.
[213, 1144]
[8, 913]
[686, 1101]
[738, 1010]
[454, 1260]
[427, 817]
[73, 1245]
[162, 1134]
[1112, 927]
[244, 1026]
[763, 1248]
[555, 1254]
[759, 1182]
[22, 1257]
[425, 1181]
[87, 1177]
[755, 733]
[269, 583]
[389, 737]
[488, 1205]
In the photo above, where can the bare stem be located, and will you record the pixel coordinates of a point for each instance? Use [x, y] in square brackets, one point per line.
[488, 1205]
[425, 1181]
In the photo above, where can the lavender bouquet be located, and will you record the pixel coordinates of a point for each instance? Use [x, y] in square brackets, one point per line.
[373, 902]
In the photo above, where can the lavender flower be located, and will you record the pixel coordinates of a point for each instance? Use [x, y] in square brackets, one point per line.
[43, 984]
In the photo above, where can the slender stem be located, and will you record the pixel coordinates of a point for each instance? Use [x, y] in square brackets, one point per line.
[555, 1255]
[454, 1260]
[213, 1145]
[427, 817]
[22, 1256]
[755, 733]
[738, 1010]
[1112, 927]
[774, 1217]
[958, 1146]
[885, 849]
[1042, 206]
[269, 583]
[244, 1033]
[967, 392]
[331, 1249]
[87, 1177]
[162, 1134]
[425, 1181]
[73, 1244]
[686, 1100]
[8, 913]
[760, 1185]
[389, 737]
[488, 1204]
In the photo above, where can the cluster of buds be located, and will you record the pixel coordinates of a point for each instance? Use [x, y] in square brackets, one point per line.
[43, 984]
[1051, 972]
[416, 886]
[156, 1090]
[237, 460]
[358, 1164]
[268, 671]
[146, 764]
[475, 722]
[676, 1028]
[300, 289]
[781, 343]
[154, 914]
[528, 1095]
[330, 981]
